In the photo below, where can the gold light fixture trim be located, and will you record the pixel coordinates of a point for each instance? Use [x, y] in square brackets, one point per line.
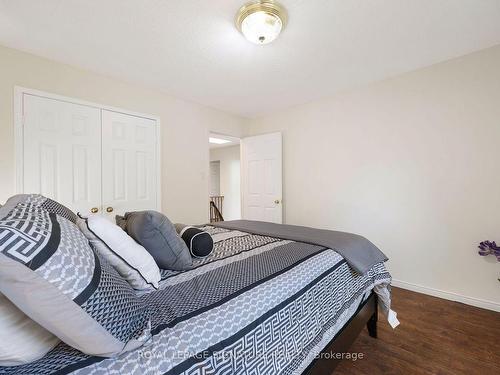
[269, 13]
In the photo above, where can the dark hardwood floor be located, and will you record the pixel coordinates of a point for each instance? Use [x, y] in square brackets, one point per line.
[436, 336]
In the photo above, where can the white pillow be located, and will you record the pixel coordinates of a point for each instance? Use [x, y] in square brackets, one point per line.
[21, 339]
[131, 260]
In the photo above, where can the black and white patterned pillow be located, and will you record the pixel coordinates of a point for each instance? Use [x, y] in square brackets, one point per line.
[59, 209]
[49, 270]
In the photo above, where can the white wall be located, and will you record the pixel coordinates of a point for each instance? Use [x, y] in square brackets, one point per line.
[185, 126]
[229, 158]
[412, 163]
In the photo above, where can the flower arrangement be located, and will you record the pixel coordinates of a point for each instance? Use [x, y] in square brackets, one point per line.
[489, 248]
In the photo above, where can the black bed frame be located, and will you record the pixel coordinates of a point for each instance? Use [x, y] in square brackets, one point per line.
[366, 314]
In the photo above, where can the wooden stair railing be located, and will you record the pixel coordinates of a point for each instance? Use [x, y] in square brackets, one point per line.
[216, 208]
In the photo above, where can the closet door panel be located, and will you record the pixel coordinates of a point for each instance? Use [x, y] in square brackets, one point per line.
[62, 152]
[129, 163]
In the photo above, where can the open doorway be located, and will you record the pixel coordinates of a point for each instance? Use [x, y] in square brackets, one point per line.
[224, 191]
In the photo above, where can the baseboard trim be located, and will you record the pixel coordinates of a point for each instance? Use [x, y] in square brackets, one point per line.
[477, 302]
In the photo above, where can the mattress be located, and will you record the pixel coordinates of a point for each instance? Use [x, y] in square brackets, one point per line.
[256, 305]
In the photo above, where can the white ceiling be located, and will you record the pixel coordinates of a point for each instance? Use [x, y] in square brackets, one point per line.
[191, 49]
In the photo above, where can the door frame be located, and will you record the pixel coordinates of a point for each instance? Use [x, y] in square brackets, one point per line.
[19, 93]
[223, 135]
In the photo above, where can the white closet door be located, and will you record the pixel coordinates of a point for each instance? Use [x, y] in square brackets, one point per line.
[62, 152]
[129, 165]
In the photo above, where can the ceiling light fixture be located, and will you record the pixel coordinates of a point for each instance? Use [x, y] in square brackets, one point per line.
[261, 21]
[218, 141]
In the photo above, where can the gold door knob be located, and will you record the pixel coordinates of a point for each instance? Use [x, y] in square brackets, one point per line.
[277, 201]
[94, 210]
[109, 209]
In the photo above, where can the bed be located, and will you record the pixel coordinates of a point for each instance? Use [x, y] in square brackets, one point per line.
[258, 304]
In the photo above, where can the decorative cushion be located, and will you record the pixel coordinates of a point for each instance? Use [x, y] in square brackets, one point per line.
[157, 234]
[21, 339]
[129, 258]
[59, 209]
[48, 205]
[199, 242]
[50, 272]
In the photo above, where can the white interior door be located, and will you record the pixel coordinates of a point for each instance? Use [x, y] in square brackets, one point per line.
[214, 178]
[261, 177]
[62, 152]
[129, 163]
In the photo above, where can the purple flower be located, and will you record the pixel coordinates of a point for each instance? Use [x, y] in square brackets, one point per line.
[489, 248]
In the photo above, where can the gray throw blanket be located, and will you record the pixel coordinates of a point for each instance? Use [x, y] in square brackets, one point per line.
[358, 252]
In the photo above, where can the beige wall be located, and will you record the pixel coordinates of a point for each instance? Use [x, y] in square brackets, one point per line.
[412, 163]
[184, 126]
[229, 158]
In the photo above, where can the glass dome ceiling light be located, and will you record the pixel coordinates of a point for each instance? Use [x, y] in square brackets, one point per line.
[261, 21]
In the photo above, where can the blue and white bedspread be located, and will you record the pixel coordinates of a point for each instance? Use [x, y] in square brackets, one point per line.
[258, 305]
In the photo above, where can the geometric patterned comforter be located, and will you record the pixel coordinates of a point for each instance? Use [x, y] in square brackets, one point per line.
[257, 305]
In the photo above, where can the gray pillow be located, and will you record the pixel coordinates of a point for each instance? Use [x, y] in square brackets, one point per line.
[50, 272]
[158, 236]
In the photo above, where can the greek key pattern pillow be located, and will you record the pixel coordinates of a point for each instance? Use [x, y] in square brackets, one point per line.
[49, 270]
